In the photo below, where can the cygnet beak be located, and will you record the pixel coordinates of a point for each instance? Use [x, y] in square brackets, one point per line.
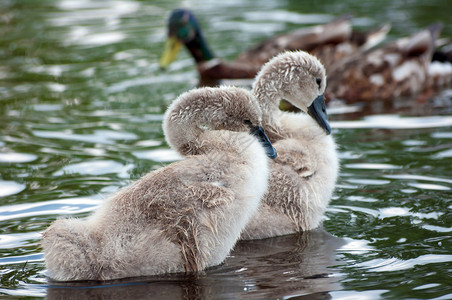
[259, 132]
[317, 110]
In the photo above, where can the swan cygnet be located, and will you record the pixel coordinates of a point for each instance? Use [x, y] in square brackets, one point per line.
[304, 174]
[180, 218]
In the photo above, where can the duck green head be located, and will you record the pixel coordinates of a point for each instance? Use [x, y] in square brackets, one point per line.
[183, 28]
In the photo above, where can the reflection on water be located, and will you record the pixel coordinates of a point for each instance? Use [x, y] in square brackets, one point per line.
[81, 106]
[290, 265]
[10, 188]
[396, 122]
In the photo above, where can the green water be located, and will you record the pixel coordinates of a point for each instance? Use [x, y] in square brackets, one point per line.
[81, 103]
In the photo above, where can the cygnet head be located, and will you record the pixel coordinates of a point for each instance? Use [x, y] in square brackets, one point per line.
[297, 77]
[223, 108]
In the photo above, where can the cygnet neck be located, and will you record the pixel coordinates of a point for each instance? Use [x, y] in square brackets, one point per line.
[191, 125]
[186, 128]
[268, 93]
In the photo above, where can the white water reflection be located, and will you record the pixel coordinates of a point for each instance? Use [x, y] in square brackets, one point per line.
[56, 87]
[10, 188]
[180, 77]
[96, 167]
[437, 228]
[47, 107]
[53, 207]
[395, 264]
[158, 155]
[361, 198]
[394, 212]
[12, 240]
[81, 36]
[411, 143]
[31, 291]
[356, 246]
[421, 185]
[369, 181]
[429, 186]
[396, 122]
[281, 16]
[418, 177]
[355, 295]
[389, 212]
[81, 11]
[426, 286]
[17, 157]
[21, 259]
[350, 210]
[99, 136]
[371, 166]
[443, 154]
[442, 135]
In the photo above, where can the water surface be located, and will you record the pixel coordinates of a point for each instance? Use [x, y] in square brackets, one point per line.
[81, 105]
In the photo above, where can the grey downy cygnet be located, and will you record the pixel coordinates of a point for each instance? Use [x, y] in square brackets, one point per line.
[180, 218]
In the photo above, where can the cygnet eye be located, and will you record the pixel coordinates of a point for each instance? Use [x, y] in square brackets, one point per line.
[248, 123]
[319, 82]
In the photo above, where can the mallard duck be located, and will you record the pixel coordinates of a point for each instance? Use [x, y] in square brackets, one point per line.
[443, 54]
[183, 217]
[398, 69]
[304, 174]
[330, 42]
[440, 69]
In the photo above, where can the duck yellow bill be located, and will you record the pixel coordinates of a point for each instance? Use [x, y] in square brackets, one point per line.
[172, 47]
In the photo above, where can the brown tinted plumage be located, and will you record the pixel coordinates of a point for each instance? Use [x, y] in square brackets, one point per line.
[330, 42]
[180, 218]
[304, 174]
[402, 68]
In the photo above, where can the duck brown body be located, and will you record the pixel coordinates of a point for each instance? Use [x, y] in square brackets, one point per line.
[330, 42]
[396, 70]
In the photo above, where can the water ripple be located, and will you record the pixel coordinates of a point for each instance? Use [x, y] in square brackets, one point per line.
[371, 166]
[369, 181]
[52, 207]
[81, 112]
[395, 264]
[96, 167]
[349, 209]
[418, 177]
[22, 259]
[98, 137]
[17, 157]
[396, 122]
[281, 16]
[425, 186]
[10, 188]
[356, 246]
[153, 80]
[443, 154]
[158, 155]
[388, 212]
[109, 9]
[437, 228]
[13, 240]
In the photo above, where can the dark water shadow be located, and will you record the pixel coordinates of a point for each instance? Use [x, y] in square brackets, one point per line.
[295, 265]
